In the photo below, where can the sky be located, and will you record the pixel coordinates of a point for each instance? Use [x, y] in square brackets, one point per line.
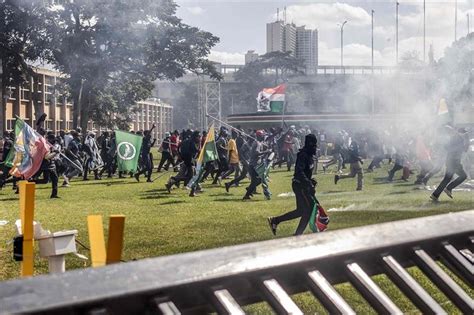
[241, 26]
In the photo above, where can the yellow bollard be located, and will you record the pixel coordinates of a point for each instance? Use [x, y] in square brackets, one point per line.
[115, 241]
[27, 213]
[96, 240]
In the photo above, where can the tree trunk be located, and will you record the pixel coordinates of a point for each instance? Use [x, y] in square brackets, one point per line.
[77, 88]
[84, 110]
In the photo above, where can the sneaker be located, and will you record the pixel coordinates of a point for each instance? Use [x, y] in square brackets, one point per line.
[246, 197]
[54, 197]
[227, 186]
[273, 226]
[137, 177]
[168, 187]
[434, 198]
[192, 193]
[448, 192]
[268, 197]
[336, 179]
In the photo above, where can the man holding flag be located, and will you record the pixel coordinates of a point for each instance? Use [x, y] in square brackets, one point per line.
[128, 151]
[304, 188]
[207, 154]
[30, 149]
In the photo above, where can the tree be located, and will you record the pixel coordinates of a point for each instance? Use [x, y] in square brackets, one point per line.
[22, 41]
[112, 51]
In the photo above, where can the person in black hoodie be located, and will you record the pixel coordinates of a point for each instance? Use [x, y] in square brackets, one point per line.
[304, 187]
[356, 166]
[456, 146]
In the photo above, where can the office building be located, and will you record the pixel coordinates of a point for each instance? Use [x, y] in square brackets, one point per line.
[275, 36]
[250, 56]
[301, 42]
[153, 111]
[54, 102]
[307, 48]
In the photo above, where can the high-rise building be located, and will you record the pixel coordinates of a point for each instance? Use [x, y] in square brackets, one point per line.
[301, 42]
[250, 56]
[275, 35]
[281, 37]
[307, 47]
[289, 39]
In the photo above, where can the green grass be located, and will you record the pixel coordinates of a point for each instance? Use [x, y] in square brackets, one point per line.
[158, 223]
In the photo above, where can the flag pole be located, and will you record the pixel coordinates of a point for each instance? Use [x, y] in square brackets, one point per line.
[231, 127]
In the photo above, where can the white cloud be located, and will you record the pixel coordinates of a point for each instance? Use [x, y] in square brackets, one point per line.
[226, 57]
[326, 16]
[195, 10]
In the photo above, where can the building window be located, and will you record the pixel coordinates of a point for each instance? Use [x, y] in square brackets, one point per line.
[10, 124]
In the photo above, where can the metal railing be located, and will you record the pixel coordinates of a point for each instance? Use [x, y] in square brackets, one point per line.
[225, 279]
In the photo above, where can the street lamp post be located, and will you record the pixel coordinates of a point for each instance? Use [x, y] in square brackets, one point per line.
[424, 31]
[468, 26]
[373, 41]
[396, 35]
[373, 89]
[342, 43]
[456, 20]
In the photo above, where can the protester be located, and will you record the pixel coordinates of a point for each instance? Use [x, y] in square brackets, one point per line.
[188, 151]
[304, 187]
[456, 146]
[257, 153]
[356, 166]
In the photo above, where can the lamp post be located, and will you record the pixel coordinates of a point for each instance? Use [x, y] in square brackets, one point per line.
[456, 20]
[396, 35]
[373, 89]
[373, 41]
[342, 43]
[468, 26]
[424, 31]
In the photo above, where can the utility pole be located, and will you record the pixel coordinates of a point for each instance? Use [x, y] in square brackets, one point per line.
[468, 26]
[396, 35]
[456, 20]
[424, 31]
[342, 43]
[373, 41]
[373, 89]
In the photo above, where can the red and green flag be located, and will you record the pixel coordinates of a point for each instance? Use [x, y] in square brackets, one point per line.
[319, 220]
[272, 99]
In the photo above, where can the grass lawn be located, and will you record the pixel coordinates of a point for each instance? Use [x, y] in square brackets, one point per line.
[158, 223]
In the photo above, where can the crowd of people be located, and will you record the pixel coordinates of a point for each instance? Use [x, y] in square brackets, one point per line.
[251, 154]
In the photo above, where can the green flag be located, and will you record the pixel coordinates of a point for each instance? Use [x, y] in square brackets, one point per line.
[128, 150]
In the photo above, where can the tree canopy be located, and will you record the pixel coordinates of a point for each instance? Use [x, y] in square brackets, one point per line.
[111, 52]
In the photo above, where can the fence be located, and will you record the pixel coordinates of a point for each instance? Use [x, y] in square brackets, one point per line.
[224, 279]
